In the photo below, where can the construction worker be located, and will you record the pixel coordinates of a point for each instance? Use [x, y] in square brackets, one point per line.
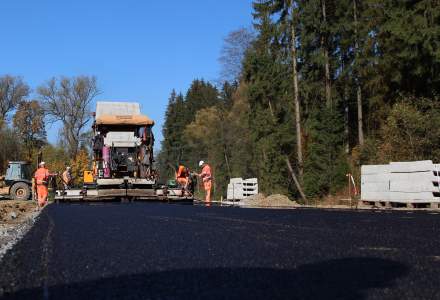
[67, 178]
[206, 176]
[41, 180]
[182, 176]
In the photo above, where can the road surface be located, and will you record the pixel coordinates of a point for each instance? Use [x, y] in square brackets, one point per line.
[163, 251]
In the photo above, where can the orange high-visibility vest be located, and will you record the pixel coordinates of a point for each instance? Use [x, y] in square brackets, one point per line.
[66, 177]
[181, 172]
[41, 176]
[206, 173]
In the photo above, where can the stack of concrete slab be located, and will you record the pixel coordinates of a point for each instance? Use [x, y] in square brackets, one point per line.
[239, 188]
[404, 182]
[375, 180]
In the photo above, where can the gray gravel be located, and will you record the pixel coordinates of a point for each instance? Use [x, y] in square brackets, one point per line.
[11, 233]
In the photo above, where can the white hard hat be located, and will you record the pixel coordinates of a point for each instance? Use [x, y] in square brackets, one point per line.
[41, 163]
[201, 163]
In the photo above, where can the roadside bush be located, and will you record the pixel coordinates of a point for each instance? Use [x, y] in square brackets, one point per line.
[411, 132]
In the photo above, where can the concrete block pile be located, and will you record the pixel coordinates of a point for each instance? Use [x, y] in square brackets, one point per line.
[403, 182]
[239, 188]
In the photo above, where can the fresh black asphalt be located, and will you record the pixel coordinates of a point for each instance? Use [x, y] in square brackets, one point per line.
[165, 251]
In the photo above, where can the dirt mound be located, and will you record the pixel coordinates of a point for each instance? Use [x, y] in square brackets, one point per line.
[275, 200]
[12, 211]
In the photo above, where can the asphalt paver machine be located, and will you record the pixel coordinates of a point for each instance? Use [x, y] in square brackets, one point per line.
[123, 160]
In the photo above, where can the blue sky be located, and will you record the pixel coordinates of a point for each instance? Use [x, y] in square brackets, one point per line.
[138, 49]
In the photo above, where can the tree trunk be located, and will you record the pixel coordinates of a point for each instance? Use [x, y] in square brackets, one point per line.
[357, 80]
[298, 185]
[30, 150]
[225, 152]
[324, 41]
[346, 116]
[271, 109]
[359, 109]
[227, 161]
[296, 100]
[328, 88]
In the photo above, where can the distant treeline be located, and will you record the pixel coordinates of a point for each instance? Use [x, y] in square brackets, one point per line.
[24, 120]
[330, 85]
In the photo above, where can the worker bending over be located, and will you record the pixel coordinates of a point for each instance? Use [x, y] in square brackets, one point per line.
[67, 178]
[41, 180]
[206, 176]
[182, 176]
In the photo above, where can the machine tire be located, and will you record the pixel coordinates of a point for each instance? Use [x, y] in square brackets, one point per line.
[20, 191]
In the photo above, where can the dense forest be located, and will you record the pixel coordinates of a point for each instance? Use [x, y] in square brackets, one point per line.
[324, 85]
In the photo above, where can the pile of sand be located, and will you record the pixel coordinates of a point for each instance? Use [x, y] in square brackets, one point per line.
[261, 200]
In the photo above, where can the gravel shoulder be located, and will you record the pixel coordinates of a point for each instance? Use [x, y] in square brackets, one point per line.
[16, 218]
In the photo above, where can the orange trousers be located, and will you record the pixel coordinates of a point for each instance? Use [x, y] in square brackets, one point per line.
[183, 181]
[207, 185]
[42, 193]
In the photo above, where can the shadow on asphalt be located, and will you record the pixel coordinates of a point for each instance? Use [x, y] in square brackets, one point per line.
[348, 278]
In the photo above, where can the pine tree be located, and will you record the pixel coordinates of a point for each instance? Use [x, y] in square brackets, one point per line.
[325, 162]
[173, 144]
[201, 94]
[288, 27]
[268, 78]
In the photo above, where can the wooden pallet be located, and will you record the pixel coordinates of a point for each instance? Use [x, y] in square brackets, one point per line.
[412, 205]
